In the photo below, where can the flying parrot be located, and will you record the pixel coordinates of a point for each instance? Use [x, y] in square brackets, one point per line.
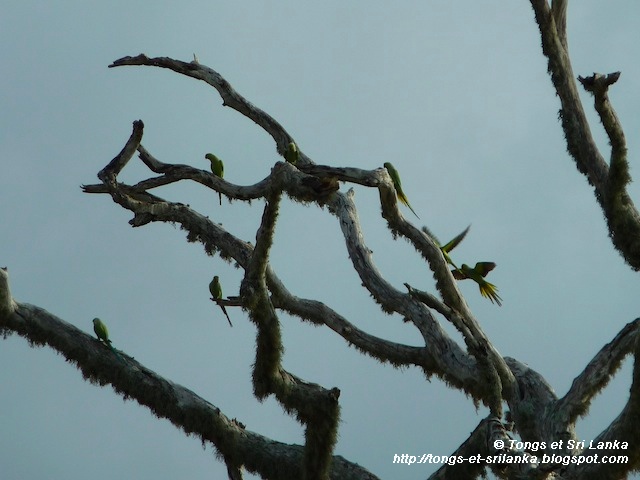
[216, 292]
[292, 154]
[395, 176]
[101, 331]
[217, 168]
[477, 274]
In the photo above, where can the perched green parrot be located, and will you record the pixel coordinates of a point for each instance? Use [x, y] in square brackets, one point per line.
[216, 292]
[477, 274]
[103, 335]
[292, 154]
[395, 176]
[101, 331]
[217, 168]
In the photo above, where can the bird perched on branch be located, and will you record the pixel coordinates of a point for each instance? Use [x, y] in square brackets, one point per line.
[292, 154]
[217, 168]
[103, 335]
[216, 292]
[477, 274]
[395, 176]
[101, 331]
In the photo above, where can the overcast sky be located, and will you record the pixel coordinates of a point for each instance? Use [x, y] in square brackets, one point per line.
[455, 94]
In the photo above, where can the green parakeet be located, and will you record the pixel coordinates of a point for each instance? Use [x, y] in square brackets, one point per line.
[395, 176]
[216, 292]
[217, 168]
[477, 274]
[292, 154]
[103, 335]
[101, 331]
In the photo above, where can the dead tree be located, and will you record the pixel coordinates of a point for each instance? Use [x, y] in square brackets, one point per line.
[534, 413]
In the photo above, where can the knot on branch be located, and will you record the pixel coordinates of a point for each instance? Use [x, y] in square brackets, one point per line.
[302, 186]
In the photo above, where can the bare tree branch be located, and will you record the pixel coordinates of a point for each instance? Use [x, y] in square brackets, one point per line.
[185, 409]
[559, 11]
[599, 85]
[530, 405]
[174, 173]
[234, 472]
[384, 350]
[609, 181]
[576, 128]
[115, 166]
[316, 407]
[230, 98]
[619, 440]
[597, 374]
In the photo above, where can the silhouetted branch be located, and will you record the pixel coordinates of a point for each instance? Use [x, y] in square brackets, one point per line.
[609, 181]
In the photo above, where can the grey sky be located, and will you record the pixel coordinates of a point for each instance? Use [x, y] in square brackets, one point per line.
[455, 94]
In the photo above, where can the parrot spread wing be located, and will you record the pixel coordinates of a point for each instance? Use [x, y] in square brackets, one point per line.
[477, 274]
[453, 244]
[455, 241]
[397, 184]
[458, 275]
[483, 268]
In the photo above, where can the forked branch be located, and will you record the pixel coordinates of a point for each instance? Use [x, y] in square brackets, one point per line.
[609, 180]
